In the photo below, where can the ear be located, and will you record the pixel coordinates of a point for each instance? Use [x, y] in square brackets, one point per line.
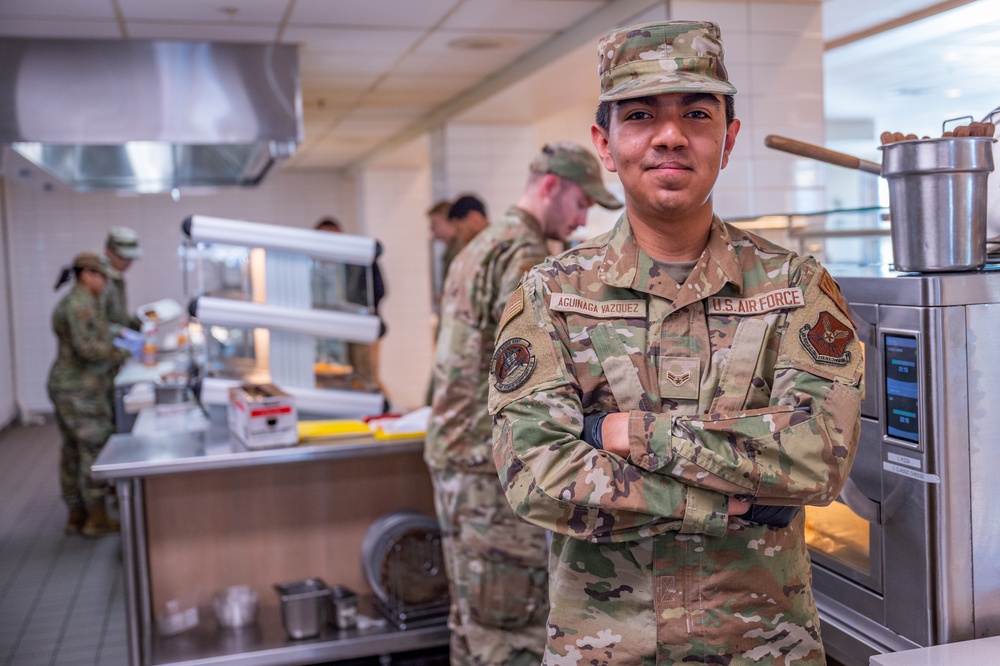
[600, 139]
[731, 132]
[548, 185]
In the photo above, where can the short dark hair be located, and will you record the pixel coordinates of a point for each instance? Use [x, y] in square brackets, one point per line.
[465, 205]
[440, 208]
[603, 115]
[329, 223]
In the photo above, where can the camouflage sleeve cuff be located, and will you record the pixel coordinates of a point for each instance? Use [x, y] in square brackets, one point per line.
[705, 512]
[649, 439]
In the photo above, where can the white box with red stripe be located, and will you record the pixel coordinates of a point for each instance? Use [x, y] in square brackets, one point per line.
[263, 416]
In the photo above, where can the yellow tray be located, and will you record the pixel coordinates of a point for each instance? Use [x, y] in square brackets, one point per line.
[333, 428]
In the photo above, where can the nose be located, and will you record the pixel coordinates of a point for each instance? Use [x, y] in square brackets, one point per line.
[669, 134]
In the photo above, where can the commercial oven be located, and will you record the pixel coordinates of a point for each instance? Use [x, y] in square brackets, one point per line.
[909, 555]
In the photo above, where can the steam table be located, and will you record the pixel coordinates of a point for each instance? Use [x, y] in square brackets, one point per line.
[201, 512]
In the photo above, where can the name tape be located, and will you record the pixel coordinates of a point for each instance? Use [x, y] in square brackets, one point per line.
[779, 299]
[604, 309]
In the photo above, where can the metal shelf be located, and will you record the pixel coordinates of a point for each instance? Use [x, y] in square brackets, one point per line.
[266, 643]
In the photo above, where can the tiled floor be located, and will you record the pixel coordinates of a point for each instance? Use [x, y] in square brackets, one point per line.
[61, 598]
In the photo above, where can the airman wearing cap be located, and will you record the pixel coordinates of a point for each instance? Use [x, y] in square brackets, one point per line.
[120, 250]
[78, 385]
[496, 564]
[667, 396]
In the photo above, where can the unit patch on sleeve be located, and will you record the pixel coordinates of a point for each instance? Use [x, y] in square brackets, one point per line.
[827, 340]
[512, 365]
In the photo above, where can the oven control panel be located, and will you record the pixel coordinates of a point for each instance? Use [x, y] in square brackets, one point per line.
[902, 402]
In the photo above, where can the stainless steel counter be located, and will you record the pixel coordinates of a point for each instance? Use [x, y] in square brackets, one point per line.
[186, 440]
[189, 441]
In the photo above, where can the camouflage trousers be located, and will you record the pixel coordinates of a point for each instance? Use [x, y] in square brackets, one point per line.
[497, 573]
[85, 423]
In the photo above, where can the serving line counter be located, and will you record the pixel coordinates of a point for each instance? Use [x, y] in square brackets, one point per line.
[200, 512]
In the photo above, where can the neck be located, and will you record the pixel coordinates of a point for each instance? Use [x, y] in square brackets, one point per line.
[672, 239]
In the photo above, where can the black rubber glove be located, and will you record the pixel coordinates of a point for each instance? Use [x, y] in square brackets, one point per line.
[774, 516]
[592, 429]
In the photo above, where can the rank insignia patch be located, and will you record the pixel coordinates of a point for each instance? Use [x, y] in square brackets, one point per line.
[512, 365]
[827, 340]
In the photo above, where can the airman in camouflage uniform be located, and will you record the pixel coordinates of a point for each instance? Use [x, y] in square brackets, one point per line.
[120, 250]
[85, 365]
[496, 564]
[659, 390]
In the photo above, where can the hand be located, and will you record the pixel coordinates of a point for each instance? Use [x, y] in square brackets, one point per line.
[132, 336]
[132, 347]
[738, 507]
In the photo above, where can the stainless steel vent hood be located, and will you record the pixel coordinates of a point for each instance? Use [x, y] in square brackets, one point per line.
[150, 116]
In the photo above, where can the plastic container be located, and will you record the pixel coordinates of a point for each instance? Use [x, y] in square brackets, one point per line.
[178, 615]
[937, 198]
[236, 607]
[345, 607]
[304, 607]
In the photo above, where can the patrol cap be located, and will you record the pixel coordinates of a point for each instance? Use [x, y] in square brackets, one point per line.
[576, 164]
[665, 57]
[91, 261]
[124, 242]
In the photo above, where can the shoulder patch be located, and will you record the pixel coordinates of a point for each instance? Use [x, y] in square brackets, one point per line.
[832, 289]
[512, 364]
[514, 306]
[827, 340]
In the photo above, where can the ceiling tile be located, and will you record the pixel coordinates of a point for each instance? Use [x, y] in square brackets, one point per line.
[354, 40]
[430, 81]
[212, 32]
[355, 62]
[246, 11]
[382, 13]
[63, 9]
[59, 29]
[480, 63]
[535, 15]
[512, 43]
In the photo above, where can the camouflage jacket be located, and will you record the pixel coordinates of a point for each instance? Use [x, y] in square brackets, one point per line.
[115, 306]
[744, 381]
[480, 280]
[86, 361]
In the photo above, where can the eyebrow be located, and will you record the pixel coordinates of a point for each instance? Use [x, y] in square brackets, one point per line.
[687, 100]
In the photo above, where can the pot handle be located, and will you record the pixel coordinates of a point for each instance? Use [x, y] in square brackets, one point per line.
[822, 154]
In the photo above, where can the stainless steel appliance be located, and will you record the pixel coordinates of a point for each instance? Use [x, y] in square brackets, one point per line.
[909, 555]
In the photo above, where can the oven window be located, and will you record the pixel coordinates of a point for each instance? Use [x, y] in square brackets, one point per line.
[840, 534]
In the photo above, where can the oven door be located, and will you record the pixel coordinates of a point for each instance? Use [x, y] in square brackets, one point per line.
[846, 537]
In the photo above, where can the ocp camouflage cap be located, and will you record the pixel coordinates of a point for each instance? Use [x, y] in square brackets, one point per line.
[665, 57]
[576, 164]
[124, 242]
[91, 261]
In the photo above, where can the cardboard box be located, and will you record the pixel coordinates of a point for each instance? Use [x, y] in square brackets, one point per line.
[262, 416]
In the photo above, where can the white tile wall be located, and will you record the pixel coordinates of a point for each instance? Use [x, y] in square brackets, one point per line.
[8, 407]
[490, 161]
[47, 228]
[394, 204]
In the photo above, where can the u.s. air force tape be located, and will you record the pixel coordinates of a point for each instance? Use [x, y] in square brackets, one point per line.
[512, 365]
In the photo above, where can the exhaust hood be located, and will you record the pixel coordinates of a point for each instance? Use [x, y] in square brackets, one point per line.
[150, 116]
